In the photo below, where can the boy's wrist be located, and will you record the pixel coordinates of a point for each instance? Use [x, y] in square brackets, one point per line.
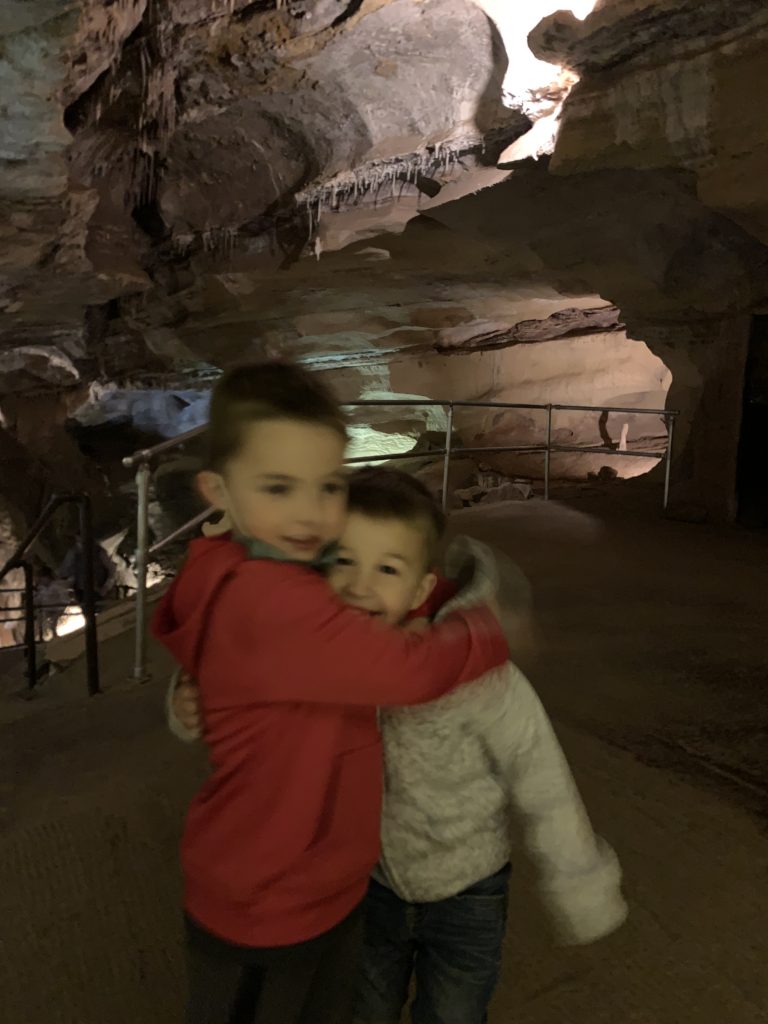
[181, 678]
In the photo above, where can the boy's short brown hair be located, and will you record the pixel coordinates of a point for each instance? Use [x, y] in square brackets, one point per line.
[265, 391]
[382, 493]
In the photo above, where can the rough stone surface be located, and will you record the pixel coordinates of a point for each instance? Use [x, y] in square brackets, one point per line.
[186, 185]
[157, 131]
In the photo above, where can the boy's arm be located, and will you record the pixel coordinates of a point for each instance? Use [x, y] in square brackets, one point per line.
[313, 648]
[580, 876]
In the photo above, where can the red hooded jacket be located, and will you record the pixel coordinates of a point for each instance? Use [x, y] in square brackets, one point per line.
[280, 841]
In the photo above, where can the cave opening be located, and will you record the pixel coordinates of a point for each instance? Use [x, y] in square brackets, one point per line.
[602, 380]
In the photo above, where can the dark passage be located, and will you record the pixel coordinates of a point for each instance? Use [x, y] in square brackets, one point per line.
[752, 474]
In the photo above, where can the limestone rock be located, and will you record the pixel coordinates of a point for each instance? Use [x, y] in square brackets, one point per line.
[665, 84]
[191, 184]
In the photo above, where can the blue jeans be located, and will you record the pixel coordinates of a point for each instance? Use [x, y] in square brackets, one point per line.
[452, 948]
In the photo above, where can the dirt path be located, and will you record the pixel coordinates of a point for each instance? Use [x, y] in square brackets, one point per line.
[654, 669]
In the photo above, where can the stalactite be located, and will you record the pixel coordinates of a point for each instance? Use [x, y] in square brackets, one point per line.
[156, 119]
[221, 241]
[379, 181]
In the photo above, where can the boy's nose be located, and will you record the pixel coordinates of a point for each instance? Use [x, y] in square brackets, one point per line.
[309, 512]
[358, 586]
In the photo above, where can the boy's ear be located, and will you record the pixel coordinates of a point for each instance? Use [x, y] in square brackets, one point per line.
[211, 488]
[425, 588]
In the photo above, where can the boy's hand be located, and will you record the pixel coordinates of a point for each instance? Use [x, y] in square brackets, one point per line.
[417, 625]
[186, 705]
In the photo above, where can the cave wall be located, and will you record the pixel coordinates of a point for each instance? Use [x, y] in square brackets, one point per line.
[668, 84]
[673, 89]
[142, 134]
[707, 361]
[378, 189]
[684, 277]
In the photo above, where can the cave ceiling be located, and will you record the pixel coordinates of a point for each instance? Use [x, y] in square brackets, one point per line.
[186, 185]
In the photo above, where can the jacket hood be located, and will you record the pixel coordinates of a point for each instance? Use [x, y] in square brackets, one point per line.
[481, 574]
[181, 618]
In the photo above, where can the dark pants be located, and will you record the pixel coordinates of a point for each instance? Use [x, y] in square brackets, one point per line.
[308, 983]
[452, 948]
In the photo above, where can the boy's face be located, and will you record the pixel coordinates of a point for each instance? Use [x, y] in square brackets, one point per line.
[285, 486]
[381, 567]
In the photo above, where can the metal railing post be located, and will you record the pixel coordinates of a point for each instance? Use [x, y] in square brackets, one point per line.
[142, 546]
[447, 456]
[548, 453]
[29, 625]
[669, 422]
[89, 596]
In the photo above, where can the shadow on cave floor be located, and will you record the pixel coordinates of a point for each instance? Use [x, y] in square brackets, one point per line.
[653, 668]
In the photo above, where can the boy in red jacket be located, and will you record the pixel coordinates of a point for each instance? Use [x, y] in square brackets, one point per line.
[280, 841]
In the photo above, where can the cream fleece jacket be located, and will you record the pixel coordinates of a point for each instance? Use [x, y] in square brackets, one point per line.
[468, 771]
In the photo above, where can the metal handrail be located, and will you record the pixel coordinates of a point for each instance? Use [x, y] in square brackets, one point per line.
[432, 402]
[615, 408]
[147, 454]
[40, 607]
[181, 531]
[142, 460]
[202, 517]
[18, 560]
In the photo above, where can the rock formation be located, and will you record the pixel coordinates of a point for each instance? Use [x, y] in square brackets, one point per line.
[445, 198]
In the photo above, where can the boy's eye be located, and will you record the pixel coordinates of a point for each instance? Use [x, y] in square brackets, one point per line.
[334, 488]
[343, 560]
[388, 570]
[277, 489]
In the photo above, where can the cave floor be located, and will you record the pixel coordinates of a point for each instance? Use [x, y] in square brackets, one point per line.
[654, 660]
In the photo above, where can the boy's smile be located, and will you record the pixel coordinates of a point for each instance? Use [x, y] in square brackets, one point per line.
[381, 567]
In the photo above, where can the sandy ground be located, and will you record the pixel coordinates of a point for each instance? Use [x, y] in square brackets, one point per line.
[654, 660]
